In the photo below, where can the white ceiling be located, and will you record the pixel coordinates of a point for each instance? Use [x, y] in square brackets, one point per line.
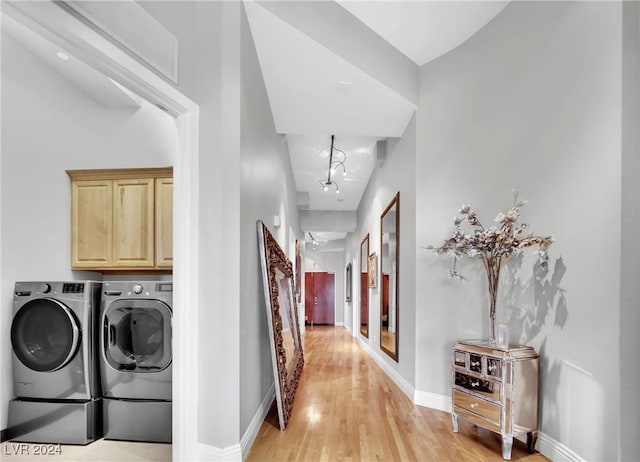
[92, 83]
[425, 30]
[315, 92]
[310, 163]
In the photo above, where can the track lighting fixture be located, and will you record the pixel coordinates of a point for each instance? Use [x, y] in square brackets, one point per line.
[333, 168]
[314, 243]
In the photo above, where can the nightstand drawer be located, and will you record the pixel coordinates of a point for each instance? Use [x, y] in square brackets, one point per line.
[488, 388]
[477, 405]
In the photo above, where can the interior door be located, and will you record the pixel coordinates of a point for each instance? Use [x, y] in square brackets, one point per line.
[320, 298]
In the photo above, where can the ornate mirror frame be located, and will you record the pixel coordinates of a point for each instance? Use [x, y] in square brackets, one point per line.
[282, 319]
[363, 286]
[389, 286]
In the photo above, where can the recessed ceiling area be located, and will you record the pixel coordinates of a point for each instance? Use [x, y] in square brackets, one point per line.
[310, 163]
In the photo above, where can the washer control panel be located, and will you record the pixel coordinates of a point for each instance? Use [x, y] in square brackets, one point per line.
[72, 288]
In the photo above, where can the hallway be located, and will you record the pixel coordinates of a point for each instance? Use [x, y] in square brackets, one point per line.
[346, 408]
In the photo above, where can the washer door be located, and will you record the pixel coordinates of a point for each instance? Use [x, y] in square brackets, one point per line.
[137, 335]
[44, 335]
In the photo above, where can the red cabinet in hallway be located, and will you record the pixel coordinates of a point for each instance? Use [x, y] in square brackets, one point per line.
[319, 300]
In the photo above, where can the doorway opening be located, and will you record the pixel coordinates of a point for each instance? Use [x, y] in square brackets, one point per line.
[55, 25]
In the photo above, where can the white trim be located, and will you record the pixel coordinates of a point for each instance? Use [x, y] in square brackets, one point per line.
[555, 450]
[254, 427]
[154, 32]
[405, 386]
[212, 453]
[339, 324]
[59, 27]
[432, 400]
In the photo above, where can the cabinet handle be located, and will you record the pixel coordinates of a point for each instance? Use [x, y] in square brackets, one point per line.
[474, 405]
[475, 363]
[475, 384]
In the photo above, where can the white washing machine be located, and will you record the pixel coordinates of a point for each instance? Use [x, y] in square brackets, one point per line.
[136, 357]
[55, 363]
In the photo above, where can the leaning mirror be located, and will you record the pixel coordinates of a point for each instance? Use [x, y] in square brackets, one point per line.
[389, 307]
[282, 319]
[364, 287]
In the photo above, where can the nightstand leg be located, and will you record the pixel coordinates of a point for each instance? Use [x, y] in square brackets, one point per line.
[532, 437]
[454, 421]
[507, 443]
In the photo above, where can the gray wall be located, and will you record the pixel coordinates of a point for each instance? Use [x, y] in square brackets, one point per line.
[267, 188]
[49, 126]
[630, 269]
[533, 100]
[397, 174]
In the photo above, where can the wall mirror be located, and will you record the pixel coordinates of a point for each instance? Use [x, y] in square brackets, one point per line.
[282, 319]
[348, 282]
[364, 286]
[389, 250]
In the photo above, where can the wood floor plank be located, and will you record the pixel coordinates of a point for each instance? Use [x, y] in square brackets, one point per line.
[347, 409]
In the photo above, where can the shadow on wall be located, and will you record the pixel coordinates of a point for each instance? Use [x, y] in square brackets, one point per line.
[525, 322]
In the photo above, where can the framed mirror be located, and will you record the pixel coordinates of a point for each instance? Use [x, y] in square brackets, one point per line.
[389, 252]
[282, 319]
[364, 286]
[348, 282]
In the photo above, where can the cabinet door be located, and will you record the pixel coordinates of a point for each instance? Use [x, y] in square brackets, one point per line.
[133, 223]
[164, 222]
[91, 223]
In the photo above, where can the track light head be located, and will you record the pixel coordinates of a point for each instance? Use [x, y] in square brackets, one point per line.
[333, 168]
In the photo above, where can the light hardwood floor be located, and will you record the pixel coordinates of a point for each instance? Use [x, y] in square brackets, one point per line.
[347, 409]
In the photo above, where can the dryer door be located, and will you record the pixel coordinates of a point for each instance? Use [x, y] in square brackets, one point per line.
[44, 335]
[137, 335]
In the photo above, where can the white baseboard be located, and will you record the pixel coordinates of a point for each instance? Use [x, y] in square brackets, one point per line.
[405, 386]
[339, 324]
[432, 400]
[239, 452]
[212, 453]
[254, 427]
[555, 450]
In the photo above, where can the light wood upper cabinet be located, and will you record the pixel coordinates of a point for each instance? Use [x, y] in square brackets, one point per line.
[122, 219]
[133, 221]
[164, 222]
[91, 223]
